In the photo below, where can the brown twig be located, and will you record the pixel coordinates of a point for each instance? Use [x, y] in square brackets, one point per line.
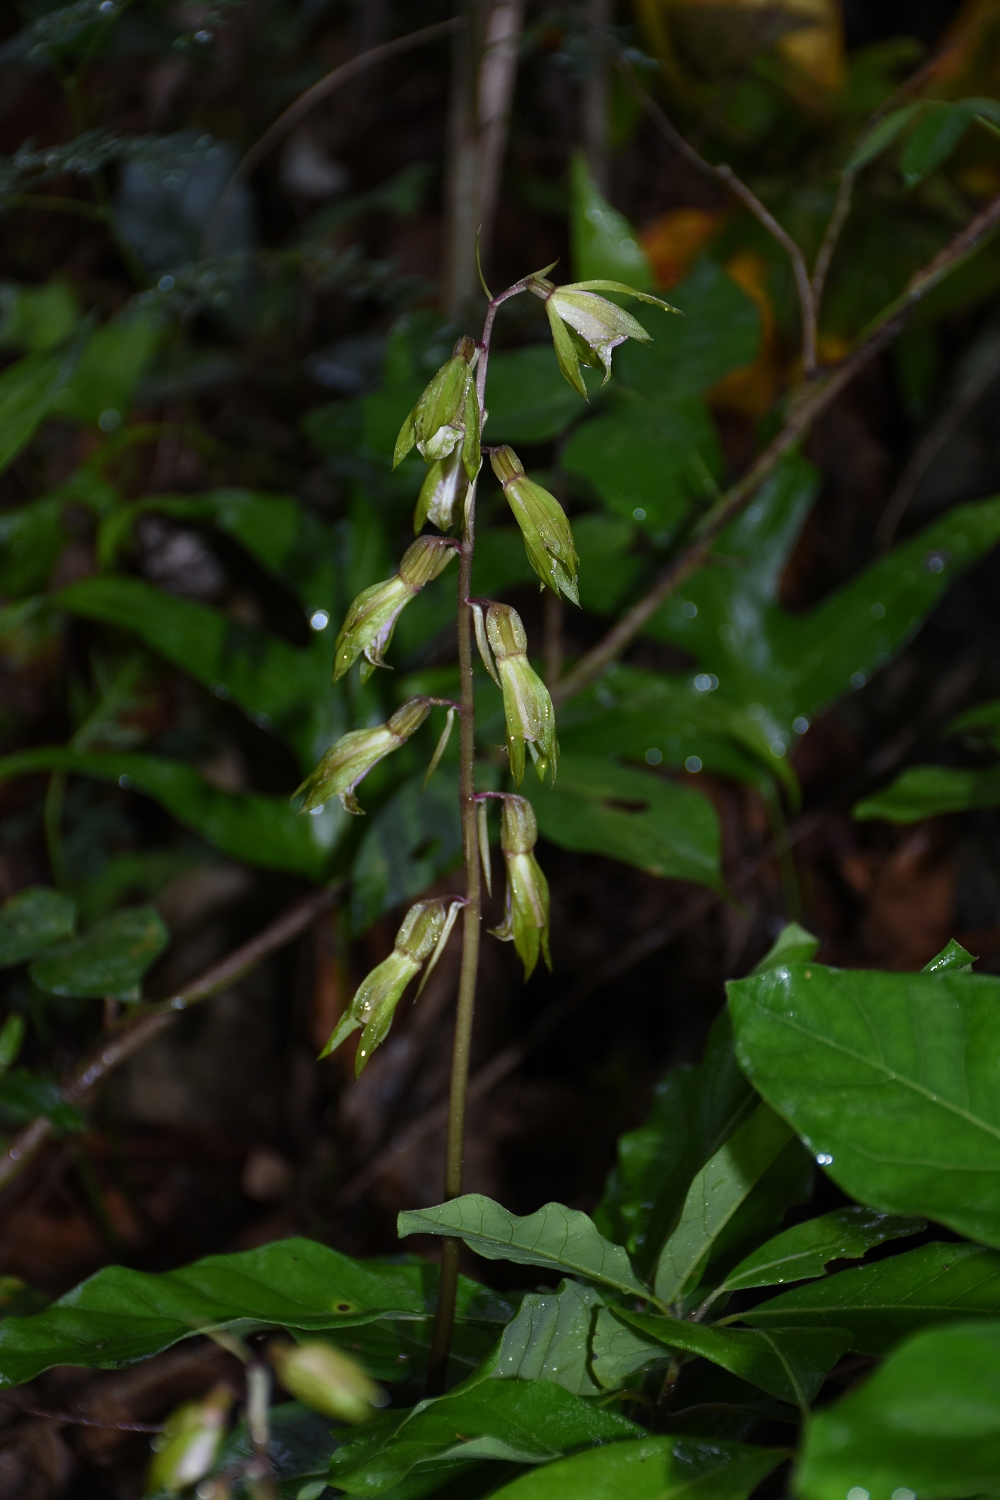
[301, 106]
[813, 401]
[136, 1032]
[68, 1419]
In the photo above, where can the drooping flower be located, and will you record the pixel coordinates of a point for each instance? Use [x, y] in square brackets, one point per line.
[441, 494]
[371, 619]
[548, 539]
[187, 1448]
[586, 327]
[526, 918]
[447, 416]
[350, 759]
[527, 706]
[325, 1379]
[422, 936]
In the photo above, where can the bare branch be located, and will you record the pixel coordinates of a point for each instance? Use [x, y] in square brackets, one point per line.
[831, 237]
[813, 401]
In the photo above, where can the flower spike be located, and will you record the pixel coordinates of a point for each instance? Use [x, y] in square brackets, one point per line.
[586, 327]
[371, 619]
[350, 759]
[526, 919]
[422, 936]
[527, 705]
[548, 539]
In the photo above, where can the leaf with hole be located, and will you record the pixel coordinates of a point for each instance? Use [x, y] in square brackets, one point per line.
[888, 1078]
[555, 1237]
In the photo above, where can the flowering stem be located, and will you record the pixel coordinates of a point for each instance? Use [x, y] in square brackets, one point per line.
[437, 1368]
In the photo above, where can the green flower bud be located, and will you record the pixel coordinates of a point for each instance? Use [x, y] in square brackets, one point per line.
[587, 327]
[526, 920]
[531, 719]
[323, 1378]
[422, 936]
[371, 619]
[447, 417]
[190, 1442]
[350, 759]
[442, 493]
[548, 539]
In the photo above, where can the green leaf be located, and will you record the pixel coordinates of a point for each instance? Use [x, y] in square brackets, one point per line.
[874, 142]
[529, 401]
[512, 1421]
[714, 1196]
[271, 680]
[549, 1339]
[260, 830]
[953, 959]
[925, 791]
[604, 244]
[598, 807]
[882, 1303]
[649, 460]
[789, 1180]
[556, 1237]
[790, 1364]
[37, 318]
[938, 131]
[609, 566]
[24, 1094]
[31, 539]
[890, 1079]
[32, 921]
[28, 390]
[413, 838]
[806, 1249]
[120, 1316]
[660, 1468]
[926, 1423]
[110, 960]
[695, 1111]
[719, 332]
[110, 365]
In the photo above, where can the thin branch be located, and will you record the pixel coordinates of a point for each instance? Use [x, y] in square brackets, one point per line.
[813, 402]
[300, 107]
[69, 1419]
[156, 1018]
[831, 238]
[746, 196]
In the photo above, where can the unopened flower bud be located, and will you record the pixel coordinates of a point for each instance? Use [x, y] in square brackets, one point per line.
[527, 706]
[446, 418]
[350, 759]
[422, 936]
[526, 918]
[548, 539]
[190, 1442]
[323, 1378]
[587, 327]
[441, 494]
[371, 619]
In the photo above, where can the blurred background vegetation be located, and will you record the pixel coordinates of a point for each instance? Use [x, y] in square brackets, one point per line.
[213, 317]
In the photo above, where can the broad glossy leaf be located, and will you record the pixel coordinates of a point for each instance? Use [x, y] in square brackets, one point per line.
[120, 1316]
[411, 840]
[719, 332]
[882, 1303]
[109, 960]
[260, 830]
[274, 682]
[529, 401]
[925, 791]
[24, 1094]
[32, 921]
[549, 1339]
[598, 807]
[28, 390]
[790, 1364]
[661, 1468]
[695, 1111]
[806, 1249]
[512, 1421]
[650, 461]
[937, 133]
[792, 945]
[603, 242]
[778, 665]
[714, 1196]
[788, 1181]
[927, 1423]
[890, 1079]
[556, 1237]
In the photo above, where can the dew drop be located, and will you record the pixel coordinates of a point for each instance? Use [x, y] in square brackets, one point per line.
[857, 1493]
[319, 619]
[653, 757]
[692, 764]
[824, 1159]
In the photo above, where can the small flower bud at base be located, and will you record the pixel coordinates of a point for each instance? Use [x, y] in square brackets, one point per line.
[349, 760]
[325, 1379]
[188, 1446]
[526, 920]
[527, 705]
